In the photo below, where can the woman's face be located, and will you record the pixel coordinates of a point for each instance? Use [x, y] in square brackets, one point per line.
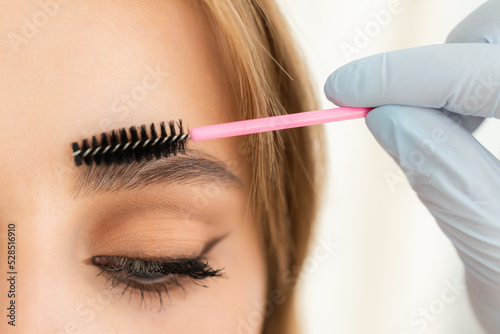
[74, 69]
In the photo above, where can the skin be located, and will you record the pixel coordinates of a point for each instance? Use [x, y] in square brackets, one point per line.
[82, 74]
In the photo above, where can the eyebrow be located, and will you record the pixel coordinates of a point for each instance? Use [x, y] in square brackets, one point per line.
[192, 168]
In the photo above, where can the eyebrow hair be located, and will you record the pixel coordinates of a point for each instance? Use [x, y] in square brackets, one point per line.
[192, 168]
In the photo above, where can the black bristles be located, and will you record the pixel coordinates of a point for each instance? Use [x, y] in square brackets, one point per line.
[111, 156]
[78, 157]
[164, 146]
[171, 125]
[104, 144]
[181, 144]
[136, 144]
[95, 145]
[172, 147]
[87, 156]
[134, 138]
[149, 149]
[181, 130]
[163, 132]
[156, 142]
[127, 157]
[141, 148]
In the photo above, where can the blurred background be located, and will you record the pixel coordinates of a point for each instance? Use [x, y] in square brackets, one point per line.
[379, 264]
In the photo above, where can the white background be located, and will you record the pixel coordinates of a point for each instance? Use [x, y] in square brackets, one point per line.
[390, 259]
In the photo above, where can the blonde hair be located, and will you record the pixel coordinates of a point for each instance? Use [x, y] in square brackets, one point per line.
[261, 60]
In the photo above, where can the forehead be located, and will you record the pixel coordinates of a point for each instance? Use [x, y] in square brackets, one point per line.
[93, 66]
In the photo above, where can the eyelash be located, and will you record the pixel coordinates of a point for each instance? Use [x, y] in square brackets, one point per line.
[163, 272]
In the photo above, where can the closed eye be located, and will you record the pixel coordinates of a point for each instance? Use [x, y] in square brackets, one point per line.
[154, 276]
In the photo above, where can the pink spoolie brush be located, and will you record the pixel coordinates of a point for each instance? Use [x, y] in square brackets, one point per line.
[136, 143]
[274, 123]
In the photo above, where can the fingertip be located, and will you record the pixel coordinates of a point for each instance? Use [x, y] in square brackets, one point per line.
[332, 88]
[359, 83]
[327, 88]
[342, 87]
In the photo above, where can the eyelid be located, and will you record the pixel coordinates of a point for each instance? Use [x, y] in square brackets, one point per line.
[113, 227]
[156, 239]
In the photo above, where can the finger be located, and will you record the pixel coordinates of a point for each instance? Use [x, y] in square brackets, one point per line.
[463, 78]
[458, 180]
[481, 26]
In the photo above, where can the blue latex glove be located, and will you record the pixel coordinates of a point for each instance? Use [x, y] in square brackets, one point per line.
[431, 98]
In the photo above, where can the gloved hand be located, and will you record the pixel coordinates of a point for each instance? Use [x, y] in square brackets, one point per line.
[431, 98]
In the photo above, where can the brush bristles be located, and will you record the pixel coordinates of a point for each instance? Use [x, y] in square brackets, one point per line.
[136, 144]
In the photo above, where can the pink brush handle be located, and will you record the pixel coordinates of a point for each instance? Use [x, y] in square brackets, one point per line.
[276, 123]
